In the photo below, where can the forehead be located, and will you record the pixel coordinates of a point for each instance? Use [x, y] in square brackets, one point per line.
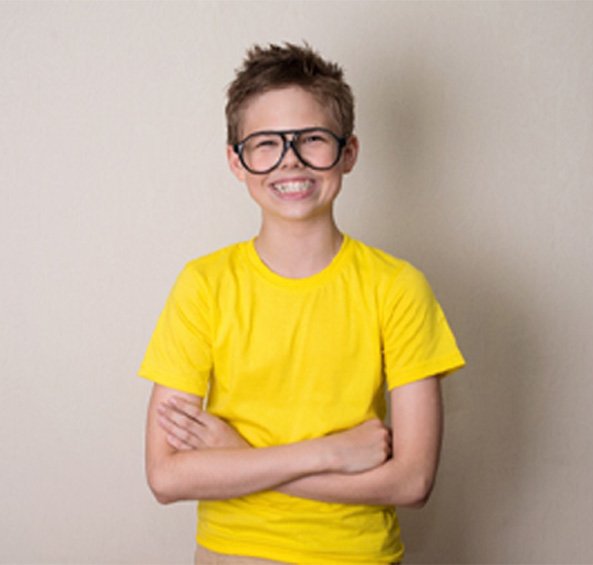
[284, 109]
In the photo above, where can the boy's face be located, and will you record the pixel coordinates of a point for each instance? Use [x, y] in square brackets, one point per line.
[292, 191]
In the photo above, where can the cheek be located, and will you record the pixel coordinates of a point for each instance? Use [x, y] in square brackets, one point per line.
[254, 187]
[335, 180]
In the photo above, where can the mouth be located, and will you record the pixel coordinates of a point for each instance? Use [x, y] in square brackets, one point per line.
[293, 187]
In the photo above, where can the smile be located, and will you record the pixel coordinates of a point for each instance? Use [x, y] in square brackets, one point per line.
[293, 187]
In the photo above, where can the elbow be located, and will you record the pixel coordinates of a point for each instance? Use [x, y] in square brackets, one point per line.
[160, 486]
[162, 497]
[417, 494]
[421, 491]
[418, 501]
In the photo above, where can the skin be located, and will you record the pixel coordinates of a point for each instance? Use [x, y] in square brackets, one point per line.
[297, 238]
[229, 468]
[192, 455]
[404, 479]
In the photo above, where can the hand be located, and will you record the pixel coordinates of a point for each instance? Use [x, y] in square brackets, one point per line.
[189, 427]
[361, 448]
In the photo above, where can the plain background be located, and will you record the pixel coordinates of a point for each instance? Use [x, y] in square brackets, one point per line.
[476, 126]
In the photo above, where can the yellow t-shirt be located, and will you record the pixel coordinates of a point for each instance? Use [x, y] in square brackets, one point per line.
[283, 360]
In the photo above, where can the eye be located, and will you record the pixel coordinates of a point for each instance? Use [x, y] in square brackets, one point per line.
[314, 137]
[265, 143]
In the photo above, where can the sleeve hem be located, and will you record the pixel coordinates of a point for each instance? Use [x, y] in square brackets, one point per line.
[441, 367]
[184, 383]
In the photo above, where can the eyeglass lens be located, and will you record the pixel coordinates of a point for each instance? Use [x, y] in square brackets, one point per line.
[318, 149]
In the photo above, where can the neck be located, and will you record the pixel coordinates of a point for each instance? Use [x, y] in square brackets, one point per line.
[295, 250]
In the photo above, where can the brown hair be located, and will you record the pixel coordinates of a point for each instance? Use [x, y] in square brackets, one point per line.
[275, 66]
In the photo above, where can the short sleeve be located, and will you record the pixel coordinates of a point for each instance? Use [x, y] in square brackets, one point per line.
[179, 354]
[417, 340]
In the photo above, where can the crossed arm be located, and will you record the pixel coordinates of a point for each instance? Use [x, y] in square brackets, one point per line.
[192, 455]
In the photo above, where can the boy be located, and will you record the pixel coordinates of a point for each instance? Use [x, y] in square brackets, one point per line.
[293, 336]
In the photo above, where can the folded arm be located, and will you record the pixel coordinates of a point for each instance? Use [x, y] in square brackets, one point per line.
[204, 458]
[405, 479]
[408, 477]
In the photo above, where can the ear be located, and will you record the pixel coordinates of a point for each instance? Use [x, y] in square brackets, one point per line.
[350, 154]
[235, 163]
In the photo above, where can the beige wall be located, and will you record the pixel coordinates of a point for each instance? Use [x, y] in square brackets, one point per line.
[476, 124]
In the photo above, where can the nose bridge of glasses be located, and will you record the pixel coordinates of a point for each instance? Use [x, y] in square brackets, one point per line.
[290, 140]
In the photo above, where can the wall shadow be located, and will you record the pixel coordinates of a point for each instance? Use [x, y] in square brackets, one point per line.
[483, 463]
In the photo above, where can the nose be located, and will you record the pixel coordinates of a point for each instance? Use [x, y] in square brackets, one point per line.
[290, 159]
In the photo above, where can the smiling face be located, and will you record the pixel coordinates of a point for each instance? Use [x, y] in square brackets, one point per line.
[292, 191]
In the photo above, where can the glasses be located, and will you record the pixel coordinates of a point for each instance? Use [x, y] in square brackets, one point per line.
[317, 148]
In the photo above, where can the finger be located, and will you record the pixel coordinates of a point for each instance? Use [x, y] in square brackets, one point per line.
[186, 407]
[175, 442]
[194, 412]
[175, 436]
[183, 421]
[182, 435]
[166, 424]
[208, 420]
[179, 418]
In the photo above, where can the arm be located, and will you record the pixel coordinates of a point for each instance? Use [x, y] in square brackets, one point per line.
[176, 473]
[408, 477]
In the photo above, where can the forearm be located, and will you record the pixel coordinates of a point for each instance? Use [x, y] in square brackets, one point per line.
[395, 483]
[229, 473]
[408, 477]
[193, 455]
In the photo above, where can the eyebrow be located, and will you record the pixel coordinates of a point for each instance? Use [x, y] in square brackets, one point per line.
[286, 131]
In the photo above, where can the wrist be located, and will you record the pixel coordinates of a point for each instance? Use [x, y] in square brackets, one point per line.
[328, 458]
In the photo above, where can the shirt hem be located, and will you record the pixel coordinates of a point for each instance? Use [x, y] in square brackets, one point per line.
[297, 557]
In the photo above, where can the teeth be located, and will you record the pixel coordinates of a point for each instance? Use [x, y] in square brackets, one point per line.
[292, 187]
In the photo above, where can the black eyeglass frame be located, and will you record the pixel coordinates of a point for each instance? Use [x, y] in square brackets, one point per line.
[288, 144]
